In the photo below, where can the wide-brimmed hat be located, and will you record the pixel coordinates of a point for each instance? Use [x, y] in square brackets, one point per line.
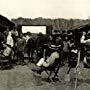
[40, 34]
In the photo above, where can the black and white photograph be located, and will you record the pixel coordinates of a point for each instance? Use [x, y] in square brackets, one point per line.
[44, 44]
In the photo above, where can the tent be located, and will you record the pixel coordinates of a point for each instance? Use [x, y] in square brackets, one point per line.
[77, 32]
[4, 23]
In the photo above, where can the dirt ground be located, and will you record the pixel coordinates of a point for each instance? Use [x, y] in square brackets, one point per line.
[22, 78]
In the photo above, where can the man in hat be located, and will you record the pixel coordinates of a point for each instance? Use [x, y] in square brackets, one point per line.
[20, 49]
[40, 45]
[55, 49]
[30, 47]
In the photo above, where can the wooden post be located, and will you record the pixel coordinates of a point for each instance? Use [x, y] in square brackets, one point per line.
[44, 53]
[78, 63]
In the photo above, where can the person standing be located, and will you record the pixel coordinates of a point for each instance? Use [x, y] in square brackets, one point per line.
[40, 45]
[20, 49]
[65, 49]
[30, 47]
[10, 39]
[14, 33]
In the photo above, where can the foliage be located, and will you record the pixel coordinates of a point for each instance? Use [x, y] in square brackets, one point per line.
[57, 24]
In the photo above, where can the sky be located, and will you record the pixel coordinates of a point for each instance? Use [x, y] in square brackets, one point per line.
[79, 9]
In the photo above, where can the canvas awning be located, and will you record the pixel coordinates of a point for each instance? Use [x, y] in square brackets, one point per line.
[4, 23]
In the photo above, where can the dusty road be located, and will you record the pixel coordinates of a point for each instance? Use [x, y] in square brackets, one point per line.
[21, 78]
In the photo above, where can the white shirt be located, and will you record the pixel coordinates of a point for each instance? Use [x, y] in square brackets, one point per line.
[83, 40]
[10, 40]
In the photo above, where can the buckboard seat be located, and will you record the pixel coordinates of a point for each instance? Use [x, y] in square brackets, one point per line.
[5, 61]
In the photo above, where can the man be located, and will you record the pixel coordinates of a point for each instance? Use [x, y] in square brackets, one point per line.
[40, 46]
[14, 33]
[10, 39]
[30, 47]
[20, 49]
[55, 50]
[83, 45]
[83, 37]
[65, 49]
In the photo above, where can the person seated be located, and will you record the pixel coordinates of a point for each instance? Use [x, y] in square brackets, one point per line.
[5, 53]
[55, 50]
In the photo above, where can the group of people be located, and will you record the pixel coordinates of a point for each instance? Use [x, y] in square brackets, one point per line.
[59, 46]
[43, 50]
[13, 45]
[64, 47]
[85, 41]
